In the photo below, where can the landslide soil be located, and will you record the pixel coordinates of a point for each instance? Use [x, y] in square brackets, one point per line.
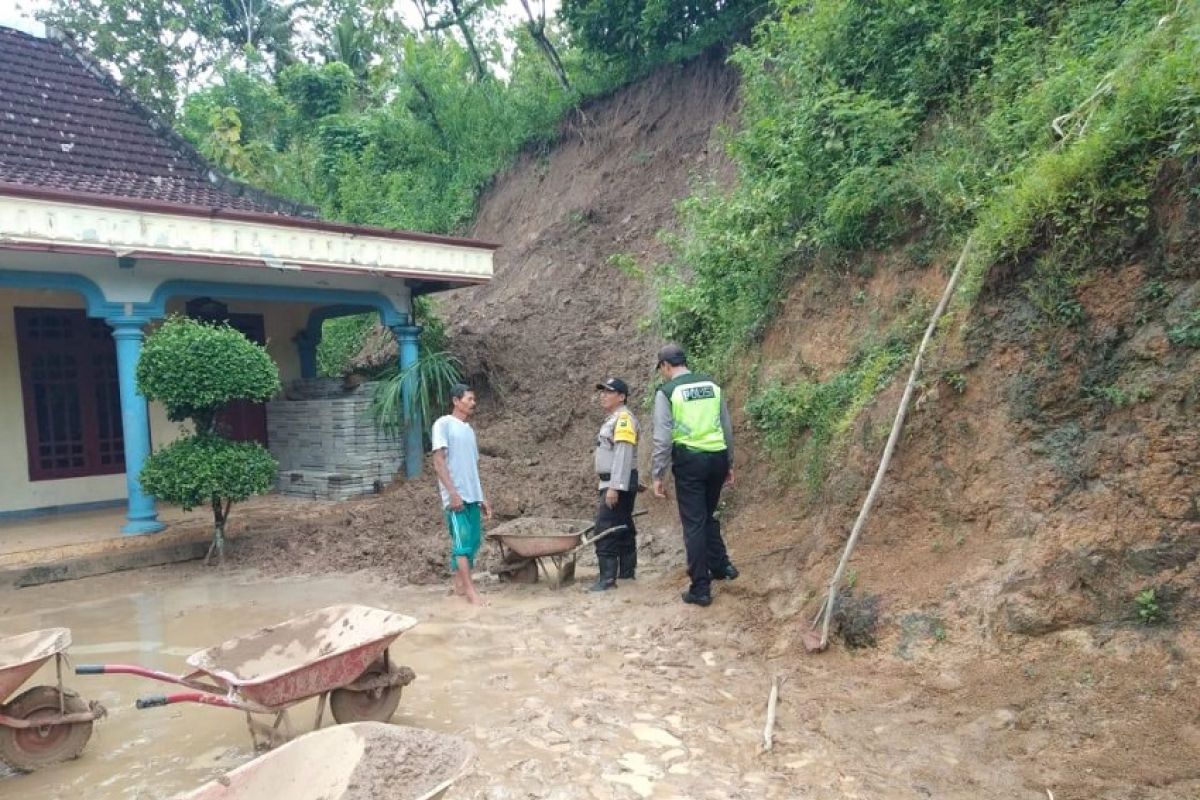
[1048, 475]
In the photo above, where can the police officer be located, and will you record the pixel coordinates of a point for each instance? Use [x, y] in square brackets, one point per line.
[694, 436]
[616, 469]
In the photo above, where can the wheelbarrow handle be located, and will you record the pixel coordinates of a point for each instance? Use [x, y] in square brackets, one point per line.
[128, 669]
[152, 701]
[156, 700]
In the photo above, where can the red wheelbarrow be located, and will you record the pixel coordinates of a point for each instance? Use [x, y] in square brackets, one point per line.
[43, 724]
[339, 653]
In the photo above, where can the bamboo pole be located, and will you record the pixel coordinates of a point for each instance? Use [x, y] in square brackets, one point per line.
[889, 449]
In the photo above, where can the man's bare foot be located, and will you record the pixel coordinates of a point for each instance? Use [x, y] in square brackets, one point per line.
[476, 600]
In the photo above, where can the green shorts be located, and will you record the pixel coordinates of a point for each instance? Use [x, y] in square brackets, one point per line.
[466, 532]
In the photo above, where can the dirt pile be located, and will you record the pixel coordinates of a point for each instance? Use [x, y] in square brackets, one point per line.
[561, 313]
[398, 534]
[558, 317]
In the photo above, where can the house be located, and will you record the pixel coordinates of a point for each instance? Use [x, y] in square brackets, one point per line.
[109, 222]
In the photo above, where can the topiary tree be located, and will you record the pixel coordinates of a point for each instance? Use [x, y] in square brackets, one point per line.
[195, 369]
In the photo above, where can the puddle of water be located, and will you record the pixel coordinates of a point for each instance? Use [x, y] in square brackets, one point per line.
[154, 619]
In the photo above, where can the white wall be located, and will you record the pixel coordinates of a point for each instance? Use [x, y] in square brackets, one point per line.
[16, 490]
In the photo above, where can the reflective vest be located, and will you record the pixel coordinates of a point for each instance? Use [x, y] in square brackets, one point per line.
[696, 412]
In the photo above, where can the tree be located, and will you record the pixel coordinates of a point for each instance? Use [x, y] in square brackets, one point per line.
[195, 369]
[458, 14]
[537, 29]
[161, 48]
[636, 34]
[149, 42]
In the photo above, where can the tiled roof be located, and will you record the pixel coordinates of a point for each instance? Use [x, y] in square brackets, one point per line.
[66, 125]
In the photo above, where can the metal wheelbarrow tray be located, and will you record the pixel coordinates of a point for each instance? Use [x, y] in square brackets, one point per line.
[44, 724]
[360, 761]
[339, 653]
[541, 539]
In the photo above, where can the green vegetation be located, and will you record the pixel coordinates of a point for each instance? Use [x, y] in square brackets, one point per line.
[434, 374]
[341, 339]
[1148, 609]
[630, 37]
[1186, 333]
[196, 369]
[1039, 127]
[803, 421]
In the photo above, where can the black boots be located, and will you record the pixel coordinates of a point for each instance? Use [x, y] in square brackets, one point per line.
[726, 573]
[628, 569]
[607, 579]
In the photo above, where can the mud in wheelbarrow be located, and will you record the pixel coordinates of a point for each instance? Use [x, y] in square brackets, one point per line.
[360, 761]
[531, 542]
[339, 654]
[44, 724]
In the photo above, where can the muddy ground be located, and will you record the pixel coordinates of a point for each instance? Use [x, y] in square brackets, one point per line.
[629, 694]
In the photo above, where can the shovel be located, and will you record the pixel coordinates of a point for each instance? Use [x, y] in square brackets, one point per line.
[585, 541]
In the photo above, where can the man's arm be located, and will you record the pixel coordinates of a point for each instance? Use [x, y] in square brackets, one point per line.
[443, 473]
[625, 436]
[727, 429]
[664, 428]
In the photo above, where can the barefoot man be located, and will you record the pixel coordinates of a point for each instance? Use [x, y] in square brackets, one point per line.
[456, 462]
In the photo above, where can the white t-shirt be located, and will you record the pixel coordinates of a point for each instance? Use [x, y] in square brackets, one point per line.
[457, 438]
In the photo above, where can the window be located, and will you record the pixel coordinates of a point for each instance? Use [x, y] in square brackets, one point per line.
[71, 394]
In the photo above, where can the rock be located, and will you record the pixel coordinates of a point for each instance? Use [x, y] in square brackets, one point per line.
[1150, 343]
[654, 736]
[1002, 719]
[1167, 554]
[946, 682]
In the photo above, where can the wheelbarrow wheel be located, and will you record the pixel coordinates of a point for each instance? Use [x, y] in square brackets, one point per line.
[373, 705]
[28, 749]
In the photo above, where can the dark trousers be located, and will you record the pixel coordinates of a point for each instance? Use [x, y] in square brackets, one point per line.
[699, 478]
[624, 543]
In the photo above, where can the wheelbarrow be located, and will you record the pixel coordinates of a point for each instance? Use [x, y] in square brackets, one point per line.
[338, 654]
[44, 724]
[360, 761]
[527, 541]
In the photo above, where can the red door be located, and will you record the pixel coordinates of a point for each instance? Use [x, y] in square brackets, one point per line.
[243, 421]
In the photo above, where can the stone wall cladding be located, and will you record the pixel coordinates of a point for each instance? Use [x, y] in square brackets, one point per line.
[327, 443]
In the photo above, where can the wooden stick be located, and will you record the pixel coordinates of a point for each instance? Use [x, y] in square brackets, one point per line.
[890, 448]
[769, 729]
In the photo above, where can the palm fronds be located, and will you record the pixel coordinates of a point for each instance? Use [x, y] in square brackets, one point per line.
[434, 373]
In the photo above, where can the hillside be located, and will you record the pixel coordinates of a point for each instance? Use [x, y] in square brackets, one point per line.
[1047, 479]
[1029, 576]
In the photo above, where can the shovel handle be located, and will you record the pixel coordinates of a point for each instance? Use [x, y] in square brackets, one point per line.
[592, 527]
[584, 541]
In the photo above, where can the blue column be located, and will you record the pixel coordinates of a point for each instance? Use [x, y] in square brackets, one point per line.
[135, 422]
[306, 344]
[414, 443]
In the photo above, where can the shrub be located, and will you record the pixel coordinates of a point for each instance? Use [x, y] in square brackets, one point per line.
[194, 369]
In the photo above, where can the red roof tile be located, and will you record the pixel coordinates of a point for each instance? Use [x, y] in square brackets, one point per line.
[65, 124]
